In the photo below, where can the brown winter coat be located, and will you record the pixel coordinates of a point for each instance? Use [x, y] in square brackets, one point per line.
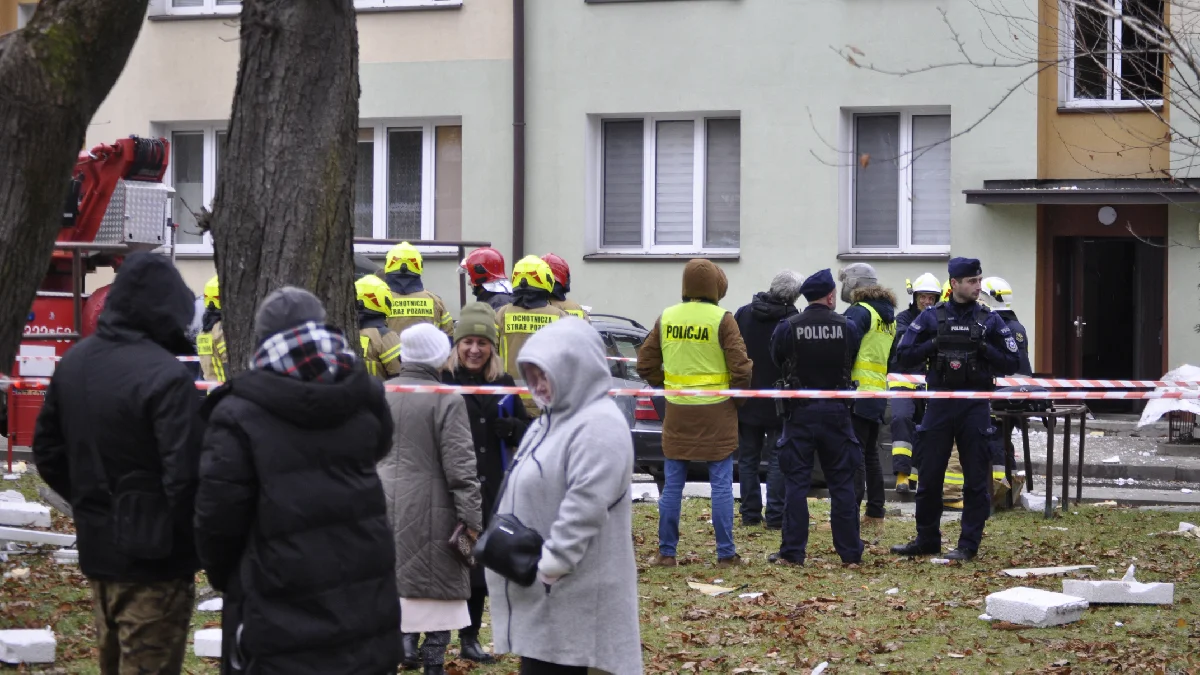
[430, 483]
[705, 433]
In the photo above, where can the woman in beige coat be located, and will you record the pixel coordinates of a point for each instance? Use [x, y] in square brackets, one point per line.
[430, 482]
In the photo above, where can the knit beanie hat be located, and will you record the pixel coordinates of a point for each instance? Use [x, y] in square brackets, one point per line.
[286, 308]
[477, 319]
[424, 344]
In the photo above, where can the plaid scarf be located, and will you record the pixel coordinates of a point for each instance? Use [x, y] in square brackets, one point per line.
[310, 352]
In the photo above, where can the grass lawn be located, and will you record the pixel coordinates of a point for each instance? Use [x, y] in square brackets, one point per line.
[822, 612]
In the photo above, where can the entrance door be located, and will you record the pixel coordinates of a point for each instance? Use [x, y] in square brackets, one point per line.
[1109, 306]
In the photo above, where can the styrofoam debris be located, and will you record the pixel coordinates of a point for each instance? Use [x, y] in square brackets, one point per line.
[11, 476]
[12, 496]
[27, 646]
[1126, 481]
[66, 556]
[1060, 529]
[940, 561]
[1045, 571]
[1186, 527]
[18, 573]
[1115, 459]
[1035, 607]
[207, 643]
[985, 617]
[24, 514]
[1185, 491]
[750, 596]
[820, 668]
[36, 537]
[645, 492]
[1118, 624]
[211, 605]
[1127, 591]
[892, 591]
[1031, 501]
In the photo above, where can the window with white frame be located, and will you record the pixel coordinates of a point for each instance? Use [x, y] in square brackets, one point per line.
[202, 7]
[899, 182]
[408, 184]
[1109, 55]
[669, 184]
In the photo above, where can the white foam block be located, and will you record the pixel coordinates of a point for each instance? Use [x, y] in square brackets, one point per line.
[23, 514]
[1036, 502]
[12, 496]
[67, 556]
[35, 537]
[207, 643]
[644, 492]
[211, 605]
[1035, 607]
[27, 646]
[1121, 592]
[1045, 571]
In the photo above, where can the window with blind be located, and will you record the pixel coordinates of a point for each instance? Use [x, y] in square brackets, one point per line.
[1108, 60]
[900, 182]
[669, 184]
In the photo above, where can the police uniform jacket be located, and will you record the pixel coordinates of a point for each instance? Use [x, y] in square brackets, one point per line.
[997, 354]
[808, 349]
[706, 433]
[1021, 336]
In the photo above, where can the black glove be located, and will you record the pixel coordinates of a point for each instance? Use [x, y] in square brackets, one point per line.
[507, 428]
[982, 349]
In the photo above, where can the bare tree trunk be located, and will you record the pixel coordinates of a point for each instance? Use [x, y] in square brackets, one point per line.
[283, 208]
[54, 74]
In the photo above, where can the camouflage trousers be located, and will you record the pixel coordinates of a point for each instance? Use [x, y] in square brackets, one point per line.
[142, 628]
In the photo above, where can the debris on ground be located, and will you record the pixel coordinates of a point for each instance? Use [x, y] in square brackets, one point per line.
[1032, 501]
[709, 589]
[207, 643]
[1035, 607]
[27, 646]
[213, 605]
[1186, 527]
[1115, 459]
[1127, 591]
[645, 492]
[12, 496]
[820, 668]
[1045, 571]
[892, 591]
[17, 573]
[750, 596]
[940, 561]
[23, 514]
[36, 536]
[66, 556]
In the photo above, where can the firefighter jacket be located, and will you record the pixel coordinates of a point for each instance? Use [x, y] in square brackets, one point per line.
[380, 348]
[210, 346]
[515, 325]
[419, 307]
[570, 307]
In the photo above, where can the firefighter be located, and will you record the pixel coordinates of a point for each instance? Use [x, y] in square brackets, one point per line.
[484, 268]
[411, 303]
[965, 346]
[562, 286]
[210, 342]
[529, 312]
[907, 412]
[873, 310]
[998, 293]
[815, 350]
[380, 345]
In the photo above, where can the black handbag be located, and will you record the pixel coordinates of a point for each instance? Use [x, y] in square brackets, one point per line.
[509, 548]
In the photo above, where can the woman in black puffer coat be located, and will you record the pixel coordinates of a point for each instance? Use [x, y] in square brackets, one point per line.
[291, 522]
[475, 361]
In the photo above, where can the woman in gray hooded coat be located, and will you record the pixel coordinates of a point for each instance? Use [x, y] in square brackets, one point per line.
[570, 482]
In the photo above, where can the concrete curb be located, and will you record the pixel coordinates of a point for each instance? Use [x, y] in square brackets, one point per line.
[1165, 472]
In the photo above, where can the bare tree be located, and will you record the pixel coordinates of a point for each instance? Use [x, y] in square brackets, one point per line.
[54, 74]
[282, 211]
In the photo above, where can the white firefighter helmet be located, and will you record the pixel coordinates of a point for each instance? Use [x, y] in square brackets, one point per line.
[998, 292]
[926, 283]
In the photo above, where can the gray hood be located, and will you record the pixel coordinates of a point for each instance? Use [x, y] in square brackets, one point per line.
[572, 355]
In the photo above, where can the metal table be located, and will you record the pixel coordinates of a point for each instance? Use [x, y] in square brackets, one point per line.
[1014, 418]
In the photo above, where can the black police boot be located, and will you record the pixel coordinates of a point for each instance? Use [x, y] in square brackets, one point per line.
[410, 654]
[914, 548]
[471, 650]
[961, 555]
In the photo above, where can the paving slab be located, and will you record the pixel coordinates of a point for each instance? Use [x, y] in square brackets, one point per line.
[22, 514]
[1035, 607]
[12, 496]
[1121, 592]
[27, 646]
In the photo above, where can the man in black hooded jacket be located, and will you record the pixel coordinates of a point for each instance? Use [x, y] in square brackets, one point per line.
[759, 424]
[121, 426]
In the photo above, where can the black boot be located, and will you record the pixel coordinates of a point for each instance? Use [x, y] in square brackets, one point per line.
[410, 651]
[433, 652]
[913, 548]
[471, 649]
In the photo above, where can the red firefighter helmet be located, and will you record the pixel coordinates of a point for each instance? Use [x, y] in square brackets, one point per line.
[562, 272]
[483, 265]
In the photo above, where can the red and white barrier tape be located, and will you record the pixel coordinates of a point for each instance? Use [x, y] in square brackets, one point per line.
[38, 383]
[29, 359]
[1061, 382]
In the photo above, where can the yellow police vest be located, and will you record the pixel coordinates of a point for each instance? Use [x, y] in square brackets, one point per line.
[692, 353]
[870, 369]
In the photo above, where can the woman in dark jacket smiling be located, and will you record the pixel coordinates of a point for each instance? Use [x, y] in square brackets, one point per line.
[474, 361]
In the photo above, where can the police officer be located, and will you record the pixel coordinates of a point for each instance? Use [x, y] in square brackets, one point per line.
[529, 312]
[210, 342]
[562, 286]
[965, 345]
[815, 350]
[872, 309]
[907, 412]
[380, 345]
[484, 268]
[412, 304]
[998, 293]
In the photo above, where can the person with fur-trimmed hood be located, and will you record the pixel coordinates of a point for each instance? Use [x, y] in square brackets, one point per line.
[873, 310]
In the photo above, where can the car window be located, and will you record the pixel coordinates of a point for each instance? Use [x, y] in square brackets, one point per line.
[627, 347]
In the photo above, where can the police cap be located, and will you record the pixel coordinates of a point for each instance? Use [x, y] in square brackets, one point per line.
[964, 267]
[818, 285]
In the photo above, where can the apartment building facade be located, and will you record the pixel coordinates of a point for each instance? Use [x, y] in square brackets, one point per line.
[762, 134]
